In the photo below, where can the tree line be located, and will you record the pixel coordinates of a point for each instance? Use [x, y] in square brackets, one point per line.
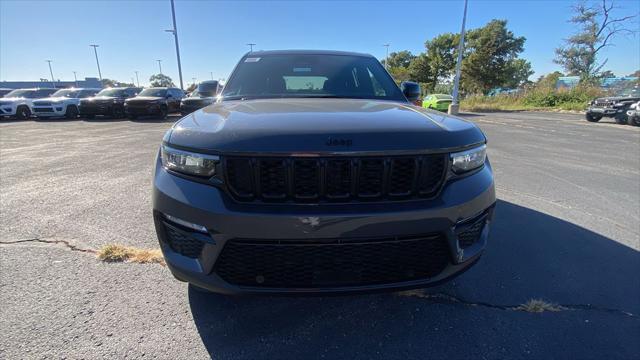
[491, 53]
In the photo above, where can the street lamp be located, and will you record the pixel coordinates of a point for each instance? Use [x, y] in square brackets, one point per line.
[250, 47]
[95, 51]
[455, 106]
[174, 31]
[137, 80]
[160, 65]
[75, 78]
[386, 60]
[211, 72]
[53, 82]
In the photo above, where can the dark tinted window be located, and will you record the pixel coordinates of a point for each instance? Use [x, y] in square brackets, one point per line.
[112, 92]
[156, 92]
[311, 76]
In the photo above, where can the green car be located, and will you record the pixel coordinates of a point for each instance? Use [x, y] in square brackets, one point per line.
[437, 101]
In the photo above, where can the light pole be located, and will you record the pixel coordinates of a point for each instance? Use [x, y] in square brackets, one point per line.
[95, 51]
[160, 65]
[250, 47]
[137, 80]
[194, 80]
[386, 59]
[211, 72]
[174, 31]
[53, 82]
[75, 78]
[455, 105]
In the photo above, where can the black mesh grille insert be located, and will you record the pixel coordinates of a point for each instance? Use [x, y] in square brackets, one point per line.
[182, 242]
[338, 179]
[468, 234]
[282, 264]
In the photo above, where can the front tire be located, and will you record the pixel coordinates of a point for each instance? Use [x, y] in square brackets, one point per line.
[163, 112]
[633, 120]
[23, 112]
[72, 112]
[621, 119]
[593, 117]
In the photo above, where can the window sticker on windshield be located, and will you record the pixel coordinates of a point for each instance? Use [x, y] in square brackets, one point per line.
[301, 69]
[254, 59]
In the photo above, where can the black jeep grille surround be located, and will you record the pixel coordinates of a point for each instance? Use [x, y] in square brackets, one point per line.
[334, 179]
[331, 263]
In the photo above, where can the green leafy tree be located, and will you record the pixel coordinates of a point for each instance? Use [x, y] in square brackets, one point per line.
[399, 73]
[400, 59]
[597, 28]
[114, 83]
[549, 81]
[420, 71]
[517, 72]
[441, 54]
[161, 80]
[490, 55]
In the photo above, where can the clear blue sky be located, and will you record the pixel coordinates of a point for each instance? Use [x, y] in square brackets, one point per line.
[213, 34]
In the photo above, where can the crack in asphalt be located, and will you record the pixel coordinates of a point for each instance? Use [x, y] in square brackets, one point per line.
[45, 241]
[443, 298]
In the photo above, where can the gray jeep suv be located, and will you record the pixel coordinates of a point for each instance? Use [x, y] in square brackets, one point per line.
[313, 173]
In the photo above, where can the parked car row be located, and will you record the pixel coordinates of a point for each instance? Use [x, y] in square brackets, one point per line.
[119, 102]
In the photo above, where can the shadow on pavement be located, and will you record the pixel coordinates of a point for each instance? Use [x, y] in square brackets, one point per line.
[530, 255]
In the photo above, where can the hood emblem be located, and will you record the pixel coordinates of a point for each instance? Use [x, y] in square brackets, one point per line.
[338, 142]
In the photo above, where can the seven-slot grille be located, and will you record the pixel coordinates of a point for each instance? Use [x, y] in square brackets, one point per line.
[334, 179]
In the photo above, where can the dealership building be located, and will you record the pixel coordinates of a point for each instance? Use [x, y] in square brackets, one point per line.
[90, 82]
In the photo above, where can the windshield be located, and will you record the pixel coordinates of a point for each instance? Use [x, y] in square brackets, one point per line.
[26, 93]
[153, 92]
[291, 75]
[66, 93]
[111, 92]
[203, 93]
[443, 97]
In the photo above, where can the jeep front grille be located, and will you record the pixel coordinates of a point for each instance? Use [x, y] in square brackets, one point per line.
[334, 179]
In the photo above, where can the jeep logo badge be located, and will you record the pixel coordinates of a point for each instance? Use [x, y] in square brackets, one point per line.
[338, 142]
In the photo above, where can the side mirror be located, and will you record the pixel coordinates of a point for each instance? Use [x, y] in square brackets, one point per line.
[411, 90]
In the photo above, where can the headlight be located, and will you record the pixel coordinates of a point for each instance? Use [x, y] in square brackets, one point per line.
[468, 160]
[187, 162]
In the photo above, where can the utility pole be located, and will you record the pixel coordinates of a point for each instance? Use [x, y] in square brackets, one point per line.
[137, 80]
[250, 47]
[174, 31]
[160, 65]
[53, 82]
[386, 60]
[194, 80]
[75, 78]
[95, 51]
[454, 107]
[211, 72]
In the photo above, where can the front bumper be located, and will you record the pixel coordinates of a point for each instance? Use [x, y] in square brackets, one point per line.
[187, 108]
[606, 111]
[55, 110]
[97, 108]
[461, 199]
[142, 110]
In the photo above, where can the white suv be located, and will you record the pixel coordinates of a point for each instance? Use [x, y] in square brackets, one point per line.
[63, 102]
[17, 103]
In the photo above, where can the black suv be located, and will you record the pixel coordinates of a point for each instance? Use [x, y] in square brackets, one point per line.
[108, 102]
[158, 101]
[613, 106]
[313, 172]
[202, 96]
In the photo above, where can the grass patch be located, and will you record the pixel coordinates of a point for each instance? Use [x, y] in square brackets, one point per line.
[121, 253]
[539, 306]
[536, 98]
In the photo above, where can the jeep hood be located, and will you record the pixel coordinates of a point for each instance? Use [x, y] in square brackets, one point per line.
[320, 125]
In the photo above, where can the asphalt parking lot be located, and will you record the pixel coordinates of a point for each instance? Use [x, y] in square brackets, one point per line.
[567, 231]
